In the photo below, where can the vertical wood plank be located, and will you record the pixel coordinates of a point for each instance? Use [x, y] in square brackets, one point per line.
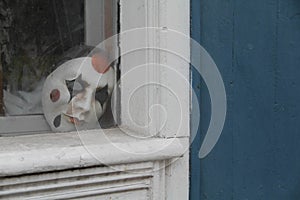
[286, 107]
[213, 29]
[262, 81]
[253, 63]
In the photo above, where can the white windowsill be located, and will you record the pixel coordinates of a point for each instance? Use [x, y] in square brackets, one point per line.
[60, 151]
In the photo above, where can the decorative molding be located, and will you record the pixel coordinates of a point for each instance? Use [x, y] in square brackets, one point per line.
[153, 19]
[50, 152]
[171, 18]
[98, 182]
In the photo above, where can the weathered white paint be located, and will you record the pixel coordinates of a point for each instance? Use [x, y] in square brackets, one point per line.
[171, 17]
[159, 184]
[176, 78]
[145, 180]
[177, 178]
[177, 170]
[144, 167]
[98, 182]
[39, 153]
[142, 67]
[136, 195]
[132, 16]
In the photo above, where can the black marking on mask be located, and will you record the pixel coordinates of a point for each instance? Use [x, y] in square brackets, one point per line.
[76, 86]
[101, 95]
[57, 121]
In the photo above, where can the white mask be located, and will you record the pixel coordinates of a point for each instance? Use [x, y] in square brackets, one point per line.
[77, 92]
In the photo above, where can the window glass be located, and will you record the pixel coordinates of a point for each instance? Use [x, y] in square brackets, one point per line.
[37, 36]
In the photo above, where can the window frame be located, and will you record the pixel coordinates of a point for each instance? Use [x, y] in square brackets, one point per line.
[173, 15]
[165, 15]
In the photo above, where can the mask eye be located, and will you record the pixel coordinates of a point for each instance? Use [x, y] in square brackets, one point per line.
[57, 121]
[101, 95]
[76, 86]
[55, 95]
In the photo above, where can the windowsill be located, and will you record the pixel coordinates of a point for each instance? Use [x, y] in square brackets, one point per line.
[61, 151]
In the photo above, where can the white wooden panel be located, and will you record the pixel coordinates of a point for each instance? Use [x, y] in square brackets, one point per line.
[133, 14]
[176, 77]
[134, 103]
[162, 107]
[46, 152]
[177, 178]
[158, 180]
[110, 183]
[171, 74]
[131, 195]
[140, 168]
[177, 37]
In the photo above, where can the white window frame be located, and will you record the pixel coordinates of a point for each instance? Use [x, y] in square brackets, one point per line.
[165, 15]
[174, 176]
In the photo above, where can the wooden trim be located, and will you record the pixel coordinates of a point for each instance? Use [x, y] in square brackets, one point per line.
[79, 183]
[168, 66]
[144, 167]
[23, 125]
[154, 62]
[51, 152]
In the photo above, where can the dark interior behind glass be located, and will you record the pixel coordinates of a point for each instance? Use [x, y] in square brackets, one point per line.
[36, 36]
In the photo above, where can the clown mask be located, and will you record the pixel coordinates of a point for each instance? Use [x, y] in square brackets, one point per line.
[76, 94]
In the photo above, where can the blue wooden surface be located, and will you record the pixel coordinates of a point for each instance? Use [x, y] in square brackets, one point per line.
[256, 45]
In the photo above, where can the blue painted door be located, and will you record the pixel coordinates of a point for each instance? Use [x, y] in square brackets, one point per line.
[256, 46]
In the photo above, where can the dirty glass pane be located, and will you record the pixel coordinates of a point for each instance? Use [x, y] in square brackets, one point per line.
[35, 37]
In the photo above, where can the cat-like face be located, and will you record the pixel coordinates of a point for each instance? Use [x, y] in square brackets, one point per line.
[77, 92]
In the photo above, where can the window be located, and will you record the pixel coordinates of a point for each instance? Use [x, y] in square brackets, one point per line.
[136, 107]
[36, 38]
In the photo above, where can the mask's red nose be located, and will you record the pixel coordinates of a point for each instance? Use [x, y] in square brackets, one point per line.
[100, 63]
